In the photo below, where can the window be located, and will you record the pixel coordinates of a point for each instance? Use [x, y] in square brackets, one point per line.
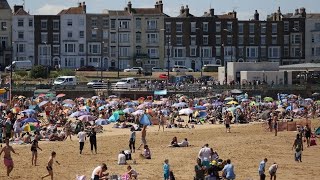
[138, 37]
[240, 50]
[69, 34]
[286, 39]
[295, 39]
[286, 26]
[153, 53]
[56, 50]
[152, 38]
[263, 39]
[55, 24]
[205, 27]
[263, 28]
[94, 22]
[168, 27]
[152, 24]
[218, 26]
[20, 35]
[70, 48]
[94, 34]
[113, 37]
[296, 52]
[138, 23]
[274, 52]
[81, 22]
[44, 24]
[124, 37]
[193, 51]
[138, 50]
[81, 34]
[252, 52]
[229, 39]
[251, 39]
[124, 24]
[296, 26]
[179, 40]
[105, 22]
[20, 23]
[263, 52]
[113, 51]
[30, 22]
[240, 40]
[178, 53]
[69, 22]
[44, 37]
[206, 52]
[205, 40]
[44, 50]
[240, 28]
[218, 40]
[312, 38]
[218, 51]
[4, 26]
[179, 27]
[251, 28]
[113, 23]
[229, 51]
[193, 27]
[105, 34]
[286, 52]
[274, 28]
[21, 48]
[312, 52]
[193, 40]
[56, 37]
[179, 63]
[124, 51]
[70, 62]
[94, 48]
[274, 39]
[229, 26]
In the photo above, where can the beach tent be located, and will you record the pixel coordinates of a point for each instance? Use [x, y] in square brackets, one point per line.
[317, 132]
[145, 120]
[114, 118]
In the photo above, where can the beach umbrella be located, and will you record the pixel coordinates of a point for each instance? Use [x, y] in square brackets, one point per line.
[165, 111]
[79, 113]
[179, 105]
[268, 99]
[207, 105]
[43, 103]
[141, 106]
[236, 91]
[145, 120]
[101, 122]
[2, 91]
[244, 100]
[29, 111]
[253, 103]
[113, 103]
[29, 120]
[128, 110]
[239, 107]
[28, 127]
[114, 118]
[218, 103]
[185, 111]
[41, 95]
[61, 95]
[68, 105]
[95, 97]
[21, 97]
[289, 108]
[229, 99]
[315, 94]
[85, 108]
[308, 99]
[87, 118]
[55, 102]
[232, 109]
[232, 103]
[200, 107]
[113, 96]
[120, 112]
[68, 101]
[50, 95]
[138, 112]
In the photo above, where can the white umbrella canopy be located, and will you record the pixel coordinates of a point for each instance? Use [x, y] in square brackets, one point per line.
[185, 111]
[138, 112]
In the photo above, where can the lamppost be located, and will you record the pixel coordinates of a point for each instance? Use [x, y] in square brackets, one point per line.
[225, 62]
[167, 53]
[118, 51]
[200, 49]
[300, 50]
[11, 69]
[102, 50]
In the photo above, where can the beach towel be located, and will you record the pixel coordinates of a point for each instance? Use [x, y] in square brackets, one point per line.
[81, 177]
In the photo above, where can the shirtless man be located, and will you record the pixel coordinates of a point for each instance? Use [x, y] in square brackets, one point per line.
[50, 164]
[8, 162]
[143, 137]
[98, 172]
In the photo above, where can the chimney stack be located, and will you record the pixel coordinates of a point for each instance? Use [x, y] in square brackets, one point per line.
[84, 7]
[296, 12]
[160, 6]
[212, 12]
[129, 6]
[182, 10]
[303, 12]
[187, 10]
[256, 16]
[16, 8]
[234, 14]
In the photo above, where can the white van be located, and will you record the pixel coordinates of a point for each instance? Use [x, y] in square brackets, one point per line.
[126, 83]
[20, 66]
[65, 81]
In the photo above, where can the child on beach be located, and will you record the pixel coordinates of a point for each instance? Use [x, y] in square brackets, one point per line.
[166, 169]
[50, 165]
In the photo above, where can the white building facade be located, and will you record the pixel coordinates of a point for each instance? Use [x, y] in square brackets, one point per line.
[312, 38]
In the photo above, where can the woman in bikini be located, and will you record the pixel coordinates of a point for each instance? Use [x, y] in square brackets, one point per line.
[34, 150]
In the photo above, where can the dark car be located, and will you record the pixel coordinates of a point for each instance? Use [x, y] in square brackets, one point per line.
[86, 68]
[205, 78]
[113, 69]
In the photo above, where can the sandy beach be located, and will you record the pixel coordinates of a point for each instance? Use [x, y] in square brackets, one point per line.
[246, 146]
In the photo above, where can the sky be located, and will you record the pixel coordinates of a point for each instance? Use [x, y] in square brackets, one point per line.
[245, 8]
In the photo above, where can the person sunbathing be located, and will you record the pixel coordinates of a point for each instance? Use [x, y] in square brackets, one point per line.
[174, 142]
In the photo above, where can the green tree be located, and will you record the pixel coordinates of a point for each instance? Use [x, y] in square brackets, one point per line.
[39, 72]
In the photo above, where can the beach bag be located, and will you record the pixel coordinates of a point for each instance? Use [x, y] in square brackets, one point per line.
[81, 177]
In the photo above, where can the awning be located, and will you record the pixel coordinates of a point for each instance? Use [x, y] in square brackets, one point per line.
[160, 92]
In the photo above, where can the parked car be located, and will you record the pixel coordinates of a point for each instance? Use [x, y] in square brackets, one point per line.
[94, 83]
[86, 68]
[127, 83]
[157, 69]
[133, 69]
[65, 81]
[20, 66]
[177, 68]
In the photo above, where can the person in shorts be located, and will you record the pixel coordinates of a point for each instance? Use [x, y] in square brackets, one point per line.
[50, 165]
[34, 150]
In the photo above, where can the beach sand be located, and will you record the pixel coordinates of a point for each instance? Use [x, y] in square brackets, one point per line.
[246, 146]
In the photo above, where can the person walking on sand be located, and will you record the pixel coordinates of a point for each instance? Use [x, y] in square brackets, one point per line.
[34, 150]
[132, 140]
[161, 121]
[166, 170]
[262, 168]
[298, 147]
[307, 134]
[82, 139]
[228, 119]
[50, 165]
[273, 171]
[93, 140]
[8, 162]
[275, 124]
[143, 137]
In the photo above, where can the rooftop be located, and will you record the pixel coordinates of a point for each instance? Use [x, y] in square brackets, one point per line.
[4, 4]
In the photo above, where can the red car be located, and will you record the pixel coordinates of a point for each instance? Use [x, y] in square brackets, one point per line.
[163, 76]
